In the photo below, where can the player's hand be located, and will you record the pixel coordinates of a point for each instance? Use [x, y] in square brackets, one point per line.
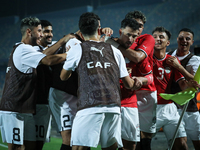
[194, 84]
[67, 37]
[173, 61]
[138, 83]
[107, 31]
[67, 48]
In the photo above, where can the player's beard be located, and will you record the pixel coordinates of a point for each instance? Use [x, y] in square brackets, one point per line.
[34, 40]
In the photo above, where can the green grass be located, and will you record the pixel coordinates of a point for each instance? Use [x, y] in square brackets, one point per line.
[54, 144]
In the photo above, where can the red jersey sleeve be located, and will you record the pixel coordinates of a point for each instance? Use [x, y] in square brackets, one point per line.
[144, 43]
[145, 67]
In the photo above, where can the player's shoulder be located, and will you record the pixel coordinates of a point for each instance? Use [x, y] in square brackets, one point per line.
[149, 36]
[195, 57]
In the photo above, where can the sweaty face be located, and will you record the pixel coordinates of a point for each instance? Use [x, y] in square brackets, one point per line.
[184, 40]
[36, 35]
[141, 25]
[47, 35]
[161, 40]
[128, 36]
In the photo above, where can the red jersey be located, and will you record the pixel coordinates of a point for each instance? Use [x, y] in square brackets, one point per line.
[146, 44]
[128, 97]
[163, 75]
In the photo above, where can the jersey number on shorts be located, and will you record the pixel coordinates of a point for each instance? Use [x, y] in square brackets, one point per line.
[66, 120]
[16, 132]
[39, 131]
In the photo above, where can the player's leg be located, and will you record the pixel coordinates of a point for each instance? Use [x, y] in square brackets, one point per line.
[110, 137]
[86, 130]
[42, 124]
[192, 127]
[169, 128]
[130, 127]
[12, 129]
[147, 103]
[63, 107]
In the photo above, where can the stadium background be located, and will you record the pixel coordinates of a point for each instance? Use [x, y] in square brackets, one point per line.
[64, 15]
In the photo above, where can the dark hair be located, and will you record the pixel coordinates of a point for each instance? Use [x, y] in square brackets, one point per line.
[136, 15]
[162, 29]
[187, 30]
[29, 23]
[88, 23]
[132, 23]
[45, 23]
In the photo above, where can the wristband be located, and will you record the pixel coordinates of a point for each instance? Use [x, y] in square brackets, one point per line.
[149, 78]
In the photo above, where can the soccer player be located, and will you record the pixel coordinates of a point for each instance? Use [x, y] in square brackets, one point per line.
[43, 115]
[63, 94]
[129, 112]
[142, 50]
[190, 62]
[164, 74]
[99, 66]
[19, 95]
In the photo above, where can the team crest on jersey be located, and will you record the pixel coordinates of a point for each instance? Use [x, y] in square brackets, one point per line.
[167, 69]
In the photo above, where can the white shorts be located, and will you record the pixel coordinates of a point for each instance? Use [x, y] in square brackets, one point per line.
[63, 107]
[147, 103]
[17, 127]
[167, 118]
[93, 129]
[130, 124]
[43, 122]
[191, 122]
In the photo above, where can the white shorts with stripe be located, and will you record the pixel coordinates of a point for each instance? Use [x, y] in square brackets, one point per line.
[191, 122]
[167, 118]
[99, 128]
[17, 127]
[63, 107]
[43, 122]
[147, 103]
[130, 124]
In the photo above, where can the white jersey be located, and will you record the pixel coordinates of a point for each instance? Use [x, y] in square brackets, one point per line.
[192, 64]
[26, 57]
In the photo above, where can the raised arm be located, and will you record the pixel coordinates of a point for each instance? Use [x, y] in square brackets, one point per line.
[51, 50]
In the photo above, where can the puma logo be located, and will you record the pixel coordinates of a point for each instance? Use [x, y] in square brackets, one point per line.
[97, 50]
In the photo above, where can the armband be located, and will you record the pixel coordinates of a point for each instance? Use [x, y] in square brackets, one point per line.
[112, 42]
[149, 78]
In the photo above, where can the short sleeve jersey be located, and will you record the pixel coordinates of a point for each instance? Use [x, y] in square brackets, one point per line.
[144, 43]
[164, 74]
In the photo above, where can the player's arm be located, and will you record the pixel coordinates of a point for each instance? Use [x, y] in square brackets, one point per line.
[51, 50]
[128, 82]
[53, 59]
[173, 61]
[184, 84]
[65, 74]
[133, 55]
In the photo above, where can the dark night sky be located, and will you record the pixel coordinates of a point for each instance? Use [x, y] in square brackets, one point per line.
[27, 7]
